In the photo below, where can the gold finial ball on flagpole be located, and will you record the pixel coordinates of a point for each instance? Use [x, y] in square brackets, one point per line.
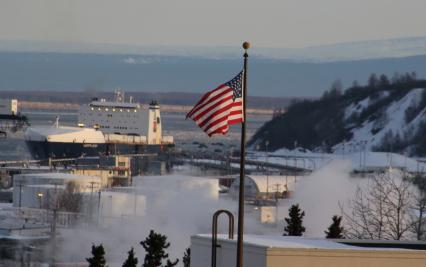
[246, 45]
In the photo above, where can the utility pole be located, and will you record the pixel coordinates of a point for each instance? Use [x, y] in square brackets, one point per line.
[365, 154]
[267, 173]
[135, 201]
[20, 194]
[360, 155]
[53, 233]
[99, 206]
[53, 226]
[92, 184]
[40, 196]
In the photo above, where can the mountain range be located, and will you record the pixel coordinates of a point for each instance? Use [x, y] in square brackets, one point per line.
[273, 72]
[370, 49]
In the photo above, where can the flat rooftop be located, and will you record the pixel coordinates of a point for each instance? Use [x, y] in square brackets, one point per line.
[295, 242]
[58, 176]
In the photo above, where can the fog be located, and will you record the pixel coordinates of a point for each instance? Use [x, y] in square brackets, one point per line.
[180, 206]
[319, 195]
[177, 206]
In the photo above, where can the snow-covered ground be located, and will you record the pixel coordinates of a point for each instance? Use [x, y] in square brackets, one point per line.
[360, 160]
[388, 123]
[372, 132]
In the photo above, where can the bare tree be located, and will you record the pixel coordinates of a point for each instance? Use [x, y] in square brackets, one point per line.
[419, 208]
[398, 204]
[419, 220]
[71, 199]
[381, 209]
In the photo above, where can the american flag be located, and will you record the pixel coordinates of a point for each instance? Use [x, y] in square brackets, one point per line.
[220, 107]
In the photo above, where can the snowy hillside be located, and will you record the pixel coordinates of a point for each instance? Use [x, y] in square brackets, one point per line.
[391, 123]
[386, 118]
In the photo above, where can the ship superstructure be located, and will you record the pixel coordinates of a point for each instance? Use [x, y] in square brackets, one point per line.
[10, 118]
[104, 127]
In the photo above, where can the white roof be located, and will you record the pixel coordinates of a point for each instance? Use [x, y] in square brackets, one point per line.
[176, 184]
[47, 186]
[58, 176]
[65, 135]
[278, 241]
[172, 180]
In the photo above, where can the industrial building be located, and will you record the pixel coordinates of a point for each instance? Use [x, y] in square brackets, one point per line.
[278, 251]
[258, 187]
[8, 106]
[39, 190]
[113, 171]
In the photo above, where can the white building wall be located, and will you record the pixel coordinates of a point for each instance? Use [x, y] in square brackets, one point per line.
[26, 187]
[278, 251]
[154, 125]
[122, 204]
[8, 106]
[126, 120]
[31, 199]
[14, 107]
[254, 256]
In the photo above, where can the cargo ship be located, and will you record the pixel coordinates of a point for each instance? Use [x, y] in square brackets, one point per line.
[104, 128]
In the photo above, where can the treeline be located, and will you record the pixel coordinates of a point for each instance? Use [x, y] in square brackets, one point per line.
[321, 123]
[169, 98]
[155, 246]
[398, 84]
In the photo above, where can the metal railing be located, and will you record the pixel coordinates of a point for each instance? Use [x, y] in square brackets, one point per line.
[214, 232]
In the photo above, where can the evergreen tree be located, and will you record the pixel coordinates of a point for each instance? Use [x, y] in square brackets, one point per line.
[384, 81]
[295, 221]
[171, 264]
[373, 81]
[187, 257]
[414, 75]
[155, 246]
[355, 84]
[98, 259]
[335, 230]
[131, 260]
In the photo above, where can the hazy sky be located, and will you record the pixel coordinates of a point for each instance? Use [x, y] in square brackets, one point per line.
[267, 23]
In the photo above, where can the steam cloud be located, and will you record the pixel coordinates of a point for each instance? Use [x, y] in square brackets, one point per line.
[181, 206]
[176, 206]
[319, 195]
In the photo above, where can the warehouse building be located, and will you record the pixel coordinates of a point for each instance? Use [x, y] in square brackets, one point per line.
[278, 251]
[39, 190]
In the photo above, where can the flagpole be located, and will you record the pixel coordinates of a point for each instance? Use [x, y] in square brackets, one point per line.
[240, 254]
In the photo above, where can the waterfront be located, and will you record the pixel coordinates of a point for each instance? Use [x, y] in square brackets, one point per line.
[187, 135]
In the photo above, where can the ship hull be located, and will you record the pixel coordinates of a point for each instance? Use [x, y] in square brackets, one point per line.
[44, 150]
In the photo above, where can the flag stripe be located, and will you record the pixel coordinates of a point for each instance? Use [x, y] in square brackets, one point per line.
[221, 130]
[213, 101]
[214, 106]
[213, 121]
[226, 110]
[218, 124]
[235, 121]
[216, 110]
[206, 98]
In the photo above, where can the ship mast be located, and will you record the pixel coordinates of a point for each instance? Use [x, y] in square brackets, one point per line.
[119, 95]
